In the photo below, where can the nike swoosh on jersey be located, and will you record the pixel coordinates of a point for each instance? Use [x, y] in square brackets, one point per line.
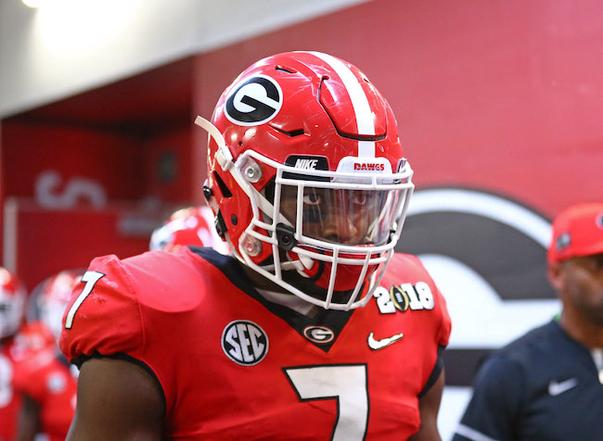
[558, 387]
[380, 344]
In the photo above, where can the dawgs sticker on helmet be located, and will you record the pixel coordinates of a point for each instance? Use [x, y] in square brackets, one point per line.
[254, 101]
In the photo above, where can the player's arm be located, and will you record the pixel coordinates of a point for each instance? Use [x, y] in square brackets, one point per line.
[28, 419]
[429, 406]
[117, 400]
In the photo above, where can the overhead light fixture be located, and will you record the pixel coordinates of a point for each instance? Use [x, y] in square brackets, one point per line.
[34, 4]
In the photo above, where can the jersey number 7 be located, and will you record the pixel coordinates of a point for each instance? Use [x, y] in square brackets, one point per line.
[345, 383]
[90, 277]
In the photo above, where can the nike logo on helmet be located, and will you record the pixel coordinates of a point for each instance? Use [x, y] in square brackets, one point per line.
[306, 164]
[375, 344]
[558, 387]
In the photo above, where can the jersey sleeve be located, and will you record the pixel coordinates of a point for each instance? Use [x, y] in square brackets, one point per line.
[103, 317]
[493, 409]
[436, 322]
[443, 336]
[440, 308]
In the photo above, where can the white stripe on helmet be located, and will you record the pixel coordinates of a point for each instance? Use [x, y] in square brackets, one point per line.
[362, 109]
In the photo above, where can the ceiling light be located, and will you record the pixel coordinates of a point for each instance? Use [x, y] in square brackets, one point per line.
[33, 3]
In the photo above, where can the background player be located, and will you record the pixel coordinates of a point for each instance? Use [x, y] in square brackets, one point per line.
[12, 300]
[548, 384]
[43, 377]
[190, 226]
[303, 334]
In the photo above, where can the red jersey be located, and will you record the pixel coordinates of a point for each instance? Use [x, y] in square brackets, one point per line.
[10, 403]
[48, 380]
[13, 351]
[234, 366]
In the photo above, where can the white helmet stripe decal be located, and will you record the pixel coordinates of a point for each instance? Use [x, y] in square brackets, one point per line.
[362, 109]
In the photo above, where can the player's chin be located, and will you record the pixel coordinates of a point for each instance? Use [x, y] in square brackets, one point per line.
[317, 288]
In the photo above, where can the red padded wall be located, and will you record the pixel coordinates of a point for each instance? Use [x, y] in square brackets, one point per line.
[501, 95]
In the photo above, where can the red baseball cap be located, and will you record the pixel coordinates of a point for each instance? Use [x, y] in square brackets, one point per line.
[577, 231]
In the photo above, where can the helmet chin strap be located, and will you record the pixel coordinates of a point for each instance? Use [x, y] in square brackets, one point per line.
[223, 155]
[227, 162]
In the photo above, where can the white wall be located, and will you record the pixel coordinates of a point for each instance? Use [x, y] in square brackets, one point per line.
[70, 46]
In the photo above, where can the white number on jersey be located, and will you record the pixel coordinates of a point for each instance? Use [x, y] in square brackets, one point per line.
[345, 383]
[384, 300]
[90, 277]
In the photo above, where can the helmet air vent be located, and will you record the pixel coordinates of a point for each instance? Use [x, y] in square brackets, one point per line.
[223, 188]
[285, 69]
[292, 133]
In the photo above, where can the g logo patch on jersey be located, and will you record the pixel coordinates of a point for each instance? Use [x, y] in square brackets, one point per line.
[244, 342]
[319, 334]
[404, 297]
[254, 101]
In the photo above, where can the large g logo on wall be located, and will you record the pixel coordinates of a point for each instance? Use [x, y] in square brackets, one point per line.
[487, 254]
[254, 101]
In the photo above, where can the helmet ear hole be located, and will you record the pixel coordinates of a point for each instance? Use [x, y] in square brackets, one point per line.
[223, 188]
[207, 193]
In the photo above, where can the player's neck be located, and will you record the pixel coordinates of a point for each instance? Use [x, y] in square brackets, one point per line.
[260, 282]
[585, 331]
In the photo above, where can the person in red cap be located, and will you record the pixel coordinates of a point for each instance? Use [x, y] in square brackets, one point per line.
[548, 384]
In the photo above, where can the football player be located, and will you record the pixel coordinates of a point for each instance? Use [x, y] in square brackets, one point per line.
[314, 329]
[43, 377]
[12, 302]
[191, 226]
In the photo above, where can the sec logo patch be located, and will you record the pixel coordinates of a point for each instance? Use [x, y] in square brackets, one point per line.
[244, 342]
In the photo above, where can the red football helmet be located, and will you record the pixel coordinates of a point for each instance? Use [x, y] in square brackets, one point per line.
[307, 176]
[188, 226]
[52, 297]
[12, 303]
